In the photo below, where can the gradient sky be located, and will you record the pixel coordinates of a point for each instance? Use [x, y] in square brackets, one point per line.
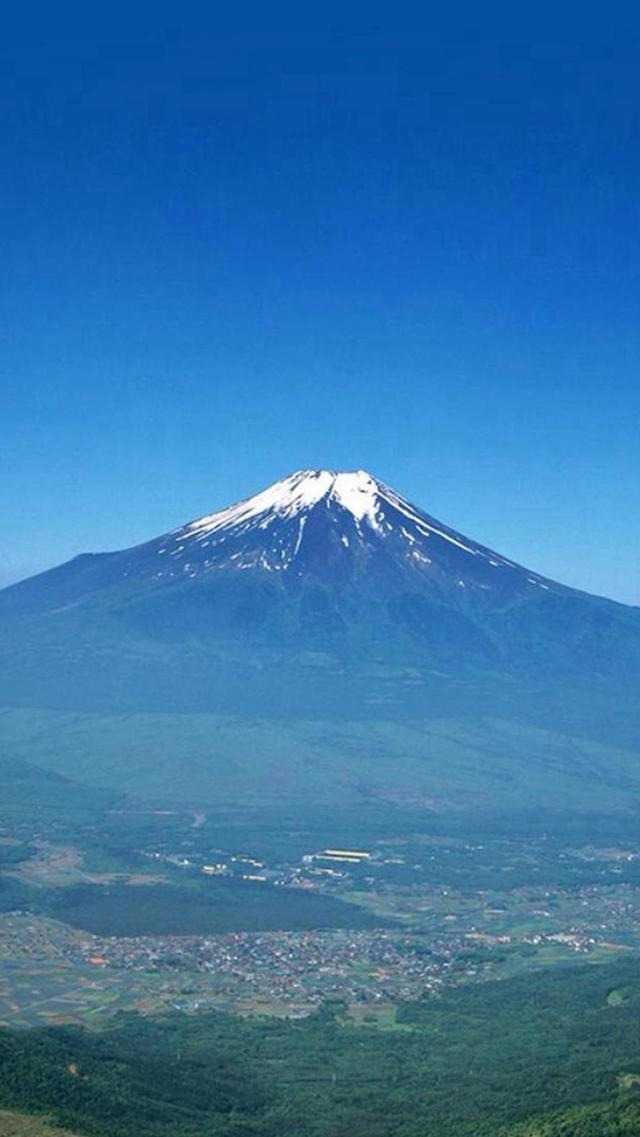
[233, 250]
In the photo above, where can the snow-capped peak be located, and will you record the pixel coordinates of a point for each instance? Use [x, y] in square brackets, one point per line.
[356, 491]
[327, 522]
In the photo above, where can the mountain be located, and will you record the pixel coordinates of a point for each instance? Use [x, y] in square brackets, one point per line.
[331, 632]
[332, 528]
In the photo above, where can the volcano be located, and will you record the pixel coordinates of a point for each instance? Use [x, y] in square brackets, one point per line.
[333, 529]
[327, 604]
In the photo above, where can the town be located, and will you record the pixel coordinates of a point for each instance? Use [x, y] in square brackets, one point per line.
[425, 938]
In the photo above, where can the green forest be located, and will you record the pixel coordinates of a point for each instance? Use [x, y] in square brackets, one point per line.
[548, 1054]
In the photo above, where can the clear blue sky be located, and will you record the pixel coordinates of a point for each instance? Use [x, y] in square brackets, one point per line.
[406, 244]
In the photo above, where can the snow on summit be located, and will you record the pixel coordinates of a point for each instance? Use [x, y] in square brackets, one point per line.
[357, 492]
[333, 525]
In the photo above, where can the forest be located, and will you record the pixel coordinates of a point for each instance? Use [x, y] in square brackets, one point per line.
[551, 1053]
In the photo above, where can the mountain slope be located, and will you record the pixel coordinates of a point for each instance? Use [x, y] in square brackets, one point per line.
[332, 528]
[328, 599]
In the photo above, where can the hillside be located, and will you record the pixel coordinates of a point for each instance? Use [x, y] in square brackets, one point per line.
[323, 640]
[550, 1053]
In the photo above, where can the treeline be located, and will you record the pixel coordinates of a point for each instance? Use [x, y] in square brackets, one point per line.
[551, 1053]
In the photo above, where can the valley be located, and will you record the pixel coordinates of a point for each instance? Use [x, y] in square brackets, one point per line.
[313, 811]
[153, 917]
[488, 955]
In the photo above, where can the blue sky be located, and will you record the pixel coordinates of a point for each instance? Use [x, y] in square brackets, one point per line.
[233, 250]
